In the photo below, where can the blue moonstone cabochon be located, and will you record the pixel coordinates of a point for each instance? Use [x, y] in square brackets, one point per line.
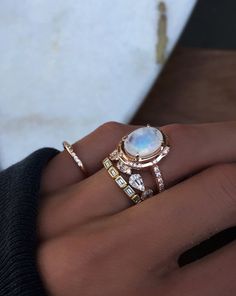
[143, 141]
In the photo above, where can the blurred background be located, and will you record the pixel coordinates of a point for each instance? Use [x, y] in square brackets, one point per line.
[198, 82]
[44, 103]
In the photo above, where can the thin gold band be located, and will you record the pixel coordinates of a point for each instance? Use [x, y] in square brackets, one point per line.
[77, 160]
[120, 181]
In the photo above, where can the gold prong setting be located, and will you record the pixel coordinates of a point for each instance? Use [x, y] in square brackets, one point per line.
[107, 163]
[113, 172]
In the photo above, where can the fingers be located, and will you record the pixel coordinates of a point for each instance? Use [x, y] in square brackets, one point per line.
[70, 263]
[193, 148]
[213, 275]
[101, 254]
[95, 197]
[196, 147]
[92, 149]
[186, 214]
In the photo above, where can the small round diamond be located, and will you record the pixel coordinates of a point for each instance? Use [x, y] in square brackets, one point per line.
[147, 193]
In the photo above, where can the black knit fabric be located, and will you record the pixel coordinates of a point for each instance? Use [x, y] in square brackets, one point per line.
[19, 194]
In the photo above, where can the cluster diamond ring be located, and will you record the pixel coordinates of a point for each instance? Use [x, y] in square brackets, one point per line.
[140, 150]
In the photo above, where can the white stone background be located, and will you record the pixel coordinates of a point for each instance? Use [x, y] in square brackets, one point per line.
[68, 66]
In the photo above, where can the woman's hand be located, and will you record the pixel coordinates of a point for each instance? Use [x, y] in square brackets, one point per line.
[94, 243]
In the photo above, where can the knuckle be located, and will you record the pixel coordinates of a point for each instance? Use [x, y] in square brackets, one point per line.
[175, 126]
[178, 131]
[95, 249]
[80, 257]
[111, 126]
[224, 179]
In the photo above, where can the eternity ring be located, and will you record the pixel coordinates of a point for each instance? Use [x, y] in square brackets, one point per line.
[120, 181]
[141, 150]
[74, 156]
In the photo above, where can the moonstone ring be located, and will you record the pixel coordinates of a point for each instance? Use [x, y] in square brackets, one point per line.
[142, 149]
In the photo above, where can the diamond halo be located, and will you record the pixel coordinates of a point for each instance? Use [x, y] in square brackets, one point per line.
[141, 149]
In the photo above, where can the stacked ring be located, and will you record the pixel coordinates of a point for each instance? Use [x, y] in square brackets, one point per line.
[120, 181]
[142, 149]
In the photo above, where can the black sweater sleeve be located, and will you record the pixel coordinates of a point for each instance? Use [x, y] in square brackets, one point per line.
[19, 194]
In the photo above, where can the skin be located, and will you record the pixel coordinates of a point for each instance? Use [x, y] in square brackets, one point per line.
[94, 243]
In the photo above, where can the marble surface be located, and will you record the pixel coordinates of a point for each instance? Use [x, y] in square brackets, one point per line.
[68, 66]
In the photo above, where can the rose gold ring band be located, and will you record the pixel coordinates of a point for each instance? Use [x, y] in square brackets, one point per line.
[74, 156]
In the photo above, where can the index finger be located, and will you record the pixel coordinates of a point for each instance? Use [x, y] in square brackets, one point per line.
[92, 149]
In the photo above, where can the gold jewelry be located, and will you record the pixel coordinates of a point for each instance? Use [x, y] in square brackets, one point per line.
[140, 150]
[77, 160]
[120, 181]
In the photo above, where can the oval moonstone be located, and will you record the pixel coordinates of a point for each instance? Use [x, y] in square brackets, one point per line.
[143, 141]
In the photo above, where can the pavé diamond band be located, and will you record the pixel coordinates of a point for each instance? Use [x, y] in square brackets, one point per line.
[142, 149]
[77, 160]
